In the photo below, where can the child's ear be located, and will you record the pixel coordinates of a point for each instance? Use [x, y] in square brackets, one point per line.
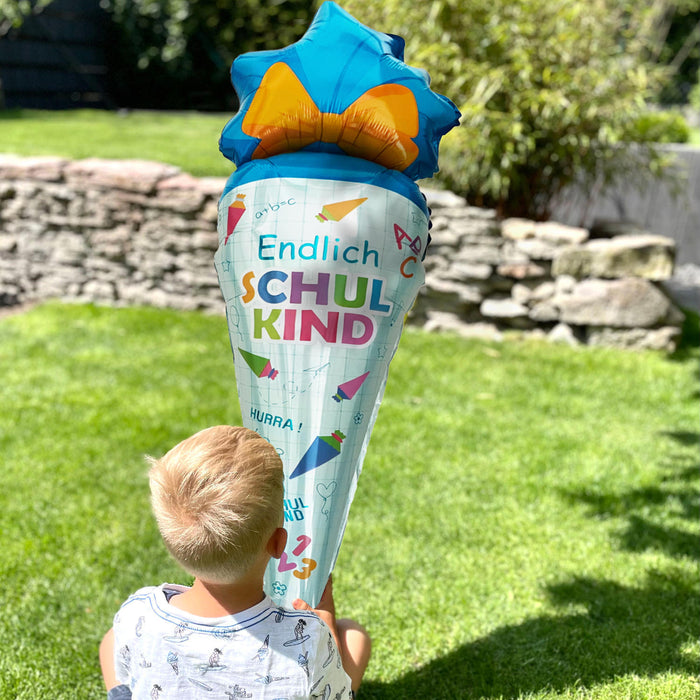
[277, 543]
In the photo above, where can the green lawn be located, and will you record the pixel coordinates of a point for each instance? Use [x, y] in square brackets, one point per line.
[186, 139]
[526, 524]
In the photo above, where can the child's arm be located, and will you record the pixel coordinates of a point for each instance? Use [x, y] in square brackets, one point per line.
[107, 660]
[353, 641]
[325, 609]
[114, 690]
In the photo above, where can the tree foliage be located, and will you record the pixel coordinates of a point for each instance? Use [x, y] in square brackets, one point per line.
[14, 12]
[694, 96]
[679, 49]
[549, 90]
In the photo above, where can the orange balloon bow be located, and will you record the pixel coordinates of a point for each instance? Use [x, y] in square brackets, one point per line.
[377, 126]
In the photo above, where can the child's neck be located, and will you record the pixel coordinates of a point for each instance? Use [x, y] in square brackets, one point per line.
[218, 600]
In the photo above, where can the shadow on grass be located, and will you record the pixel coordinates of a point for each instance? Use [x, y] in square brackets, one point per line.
[616, 630]
[624, 630]
[689, 341]
[648, 510]
[14, 113]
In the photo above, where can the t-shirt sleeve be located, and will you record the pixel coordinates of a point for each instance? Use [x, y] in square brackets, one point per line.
[126, 635]
[329, 678]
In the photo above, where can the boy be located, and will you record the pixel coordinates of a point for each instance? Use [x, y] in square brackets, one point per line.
[218, 501]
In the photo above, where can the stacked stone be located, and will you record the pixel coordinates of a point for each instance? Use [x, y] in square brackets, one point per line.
[114, 232]
[143, 233]
[544, 279]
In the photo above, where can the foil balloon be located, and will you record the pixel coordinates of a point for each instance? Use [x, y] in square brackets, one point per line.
[342, 88]
[322, 234]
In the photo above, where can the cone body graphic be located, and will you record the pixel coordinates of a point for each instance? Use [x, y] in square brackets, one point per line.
[348, 389]
[326, 311]
[339, 133]
[260, 365]
[339, 210]
[323, 449]
[235, 212]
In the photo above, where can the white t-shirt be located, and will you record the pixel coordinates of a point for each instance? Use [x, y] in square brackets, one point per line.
[265, 652]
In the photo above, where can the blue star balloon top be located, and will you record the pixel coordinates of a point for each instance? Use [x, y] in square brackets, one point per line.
[342, 88]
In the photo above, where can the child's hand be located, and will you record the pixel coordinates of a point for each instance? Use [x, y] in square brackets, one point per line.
[327, 603]
[325, 609]
[353, 642]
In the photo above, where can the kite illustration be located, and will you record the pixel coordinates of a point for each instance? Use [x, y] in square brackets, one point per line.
[334, 128]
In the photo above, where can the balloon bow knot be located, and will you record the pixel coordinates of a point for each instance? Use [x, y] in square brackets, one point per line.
[378, 126]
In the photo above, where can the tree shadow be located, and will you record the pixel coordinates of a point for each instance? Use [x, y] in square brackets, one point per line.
[642, 535]
[689, 340]
[647, 510]
[13, 113]
[624, 630]
[615, 629]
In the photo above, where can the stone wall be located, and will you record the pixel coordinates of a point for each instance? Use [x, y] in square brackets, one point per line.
[112, 232]
[487, 277]
[136, 232]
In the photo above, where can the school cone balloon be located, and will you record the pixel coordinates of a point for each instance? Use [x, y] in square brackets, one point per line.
[319, 311]
[319, 260]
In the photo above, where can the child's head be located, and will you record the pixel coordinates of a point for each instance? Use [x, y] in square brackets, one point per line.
[218, 497]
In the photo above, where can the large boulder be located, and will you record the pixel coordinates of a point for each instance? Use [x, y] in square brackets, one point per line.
[664, 338]
[641, 255]
[550, 231]
[624, 303]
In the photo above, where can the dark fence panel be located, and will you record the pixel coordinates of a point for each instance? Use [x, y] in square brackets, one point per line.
[56, 59]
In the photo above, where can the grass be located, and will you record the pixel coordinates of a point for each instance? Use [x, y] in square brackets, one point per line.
[188, 140]
[526, 524]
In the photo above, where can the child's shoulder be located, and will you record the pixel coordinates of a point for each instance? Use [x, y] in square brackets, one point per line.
[165, 589]
[149, 597]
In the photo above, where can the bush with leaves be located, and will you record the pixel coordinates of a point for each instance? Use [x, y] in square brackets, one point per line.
[694, 97]
[678, 48]
[550, 91]
[668, 126]
[14, 12]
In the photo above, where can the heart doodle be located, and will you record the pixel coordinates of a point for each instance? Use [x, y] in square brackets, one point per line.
[326, 490]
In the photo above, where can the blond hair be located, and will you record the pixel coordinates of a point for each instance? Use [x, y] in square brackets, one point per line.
[217, 498]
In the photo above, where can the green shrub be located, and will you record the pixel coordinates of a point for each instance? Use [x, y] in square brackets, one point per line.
[663, 127]
[549, 89]
[694, 97]
[14, 12]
